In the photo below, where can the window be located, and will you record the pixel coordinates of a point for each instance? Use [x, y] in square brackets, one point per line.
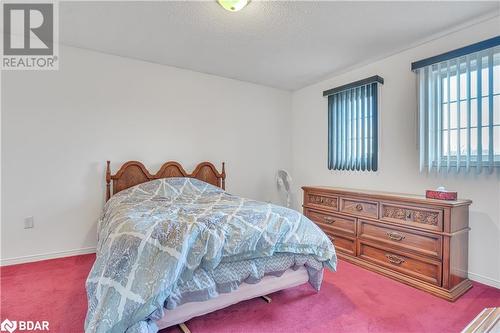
[353, 125]
[459, 108]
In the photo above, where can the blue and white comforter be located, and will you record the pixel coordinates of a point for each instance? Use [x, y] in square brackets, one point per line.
[154, 236]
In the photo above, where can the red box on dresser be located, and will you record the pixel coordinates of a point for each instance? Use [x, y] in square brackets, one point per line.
[441, 195]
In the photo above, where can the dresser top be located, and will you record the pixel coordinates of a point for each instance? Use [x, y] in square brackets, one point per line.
[388, 196]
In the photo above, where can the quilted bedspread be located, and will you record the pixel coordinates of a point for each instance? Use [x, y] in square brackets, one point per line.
[157, 234]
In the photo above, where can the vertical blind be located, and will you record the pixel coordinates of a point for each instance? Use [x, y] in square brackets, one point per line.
[459, 110]
[353, 126]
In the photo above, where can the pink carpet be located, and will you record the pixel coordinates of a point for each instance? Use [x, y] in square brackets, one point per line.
[351, 300]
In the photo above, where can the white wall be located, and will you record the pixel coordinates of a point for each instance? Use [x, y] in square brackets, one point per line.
[59, 128]
[398, 159]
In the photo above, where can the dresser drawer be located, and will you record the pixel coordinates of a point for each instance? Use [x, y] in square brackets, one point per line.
[414, 241]
[423, 269]
[359, 207]
[425, 218]
[321, 200]
[343, 244]
[330, 222]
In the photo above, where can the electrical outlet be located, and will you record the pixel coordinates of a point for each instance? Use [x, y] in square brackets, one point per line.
[29, 222]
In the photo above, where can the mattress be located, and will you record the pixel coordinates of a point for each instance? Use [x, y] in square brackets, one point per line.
[204, 284]
[267, 285]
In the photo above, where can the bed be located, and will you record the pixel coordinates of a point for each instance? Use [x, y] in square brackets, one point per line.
[175, 245]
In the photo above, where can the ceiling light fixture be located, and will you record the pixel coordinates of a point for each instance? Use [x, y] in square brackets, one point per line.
[233, 5]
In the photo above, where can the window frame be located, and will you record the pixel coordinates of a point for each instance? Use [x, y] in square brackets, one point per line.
[364, 154]
[446, 69]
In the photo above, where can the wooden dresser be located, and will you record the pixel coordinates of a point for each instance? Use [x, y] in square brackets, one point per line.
[418, 241]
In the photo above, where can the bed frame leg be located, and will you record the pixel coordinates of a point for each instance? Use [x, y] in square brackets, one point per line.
[184, 328]
[266, 298]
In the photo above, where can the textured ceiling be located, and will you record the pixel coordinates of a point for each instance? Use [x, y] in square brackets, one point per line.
[280, 44]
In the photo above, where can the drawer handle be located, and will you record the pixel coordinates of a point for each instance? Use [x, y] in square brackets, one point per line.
[321, 199]
[329, 219]
[359, 207]
[395, 236]
[393, 259]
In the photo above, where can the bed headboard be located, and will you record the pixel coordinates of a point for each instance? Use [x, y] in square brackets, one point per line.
[133, 173]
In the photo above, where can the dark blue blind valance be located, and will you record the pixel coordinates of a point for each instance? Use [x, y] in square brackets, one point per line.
[353, 126]
[371, 79]
[483, 45]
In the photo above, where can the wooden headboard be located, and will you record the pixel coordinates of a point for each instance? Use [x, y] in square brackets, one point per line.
[133, 173]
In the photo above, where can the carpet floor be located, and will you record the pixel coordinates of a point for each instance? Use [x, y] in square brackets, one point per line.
[351, 300]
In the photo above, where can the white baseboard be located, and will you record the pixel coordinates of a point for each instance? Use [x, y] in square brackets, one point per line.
[45, 256]
[484, 280]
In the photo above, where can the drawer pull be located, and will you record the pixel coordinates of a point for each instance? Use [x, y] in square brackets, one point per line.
[393, 259]
[322, 200]
[395, 236]
[359, 207]
[329, 219]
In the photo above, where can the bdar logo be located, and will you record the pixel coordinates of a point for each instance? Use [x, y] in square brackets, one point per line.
[8, 325]
[24, 325]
